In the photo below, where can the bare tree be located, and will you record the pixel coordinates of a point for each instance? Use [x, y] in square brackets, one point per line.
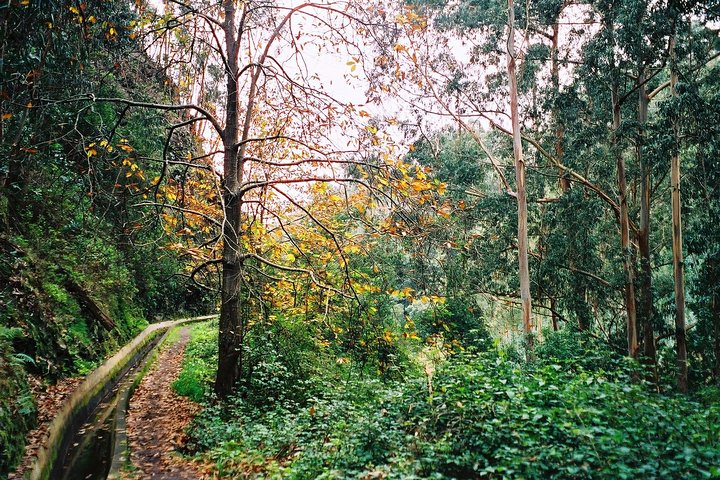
[272, 127]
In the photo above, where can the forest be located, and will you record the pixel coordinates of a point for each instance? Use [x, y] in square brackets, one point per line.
[423, 238]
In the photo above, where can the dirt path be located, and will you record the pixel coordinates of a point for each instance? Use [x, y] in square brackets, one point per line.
[157, 418]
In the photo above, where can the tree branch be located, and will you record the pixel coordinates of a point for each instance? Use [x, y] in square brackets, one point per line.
[287, 268]
[181, 209]
[132, 103]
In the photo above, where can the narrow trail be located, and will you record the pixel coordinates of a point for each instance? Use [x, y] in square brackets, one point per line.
[157, 418]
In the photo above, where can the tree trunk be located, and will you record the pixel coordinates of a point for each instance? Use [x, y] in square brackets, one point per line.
[563, 181]
[643, 236]
[677, 243]
[88, 303]
[624, 226]
[553, 312]
[232, 324]
[524, 269]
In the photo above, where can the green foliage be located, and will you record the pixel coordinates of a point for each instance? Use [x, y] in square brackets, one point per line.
[457, 320]
[487, 417]
[283, 358]
[17, 406]
[199, 363]
[68, 213]
[581, 351]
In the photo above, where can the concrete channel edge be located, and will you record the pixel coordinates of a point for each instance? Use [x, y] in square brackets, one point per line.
[90, 388]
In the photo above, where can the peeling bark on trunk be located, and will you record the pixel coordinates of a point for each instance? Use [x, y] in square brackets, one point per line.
[643, 237]
[563, 180]
[677, 243]
[624, 227]
[524, 270]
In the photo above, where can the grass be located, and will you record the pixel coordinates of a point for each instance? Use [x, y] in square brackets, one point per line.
[199, 362]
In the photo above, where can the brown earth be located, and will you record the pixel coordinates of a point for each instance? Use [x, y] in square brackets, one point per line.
[157, 419]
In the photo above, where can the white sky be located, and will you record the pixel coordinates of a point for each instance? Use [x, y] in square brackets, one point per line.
[331, 70]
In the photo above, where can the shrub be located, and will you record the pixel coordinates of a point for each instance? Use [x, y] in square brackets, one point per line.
[578, 350]
[487, 418]
[458, 320]
[17, 407]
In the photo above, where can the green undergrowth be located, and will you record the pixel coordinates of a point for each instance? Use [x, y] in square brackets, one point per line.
[17, 406]
[487, 417]
[198, 367]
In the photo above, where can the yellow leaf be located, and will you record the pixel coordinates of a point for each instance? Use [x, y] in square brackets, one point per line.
[418, 186]
[290, 257]
[6, 116]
